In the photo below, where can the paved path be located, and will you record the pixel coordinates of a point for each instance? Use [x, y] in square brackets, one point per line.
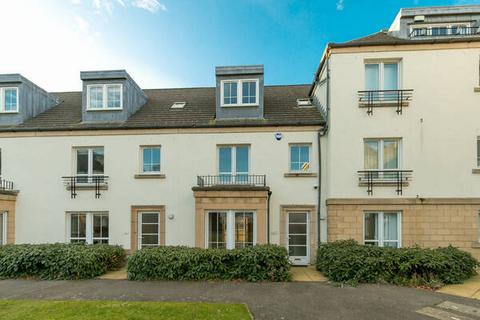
[468, 289]
[294, 300]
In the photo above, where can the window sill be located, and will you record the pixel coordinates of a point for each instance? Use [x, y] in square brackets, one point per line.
[476, 245]
[8, 112]
[105, 109]
[150, 176]
[299, 174]
[476, 171]
[239, 105]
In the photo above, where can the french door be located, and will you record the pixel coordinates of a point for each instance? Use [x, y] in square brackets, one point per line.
[148, 229]
[298, 238]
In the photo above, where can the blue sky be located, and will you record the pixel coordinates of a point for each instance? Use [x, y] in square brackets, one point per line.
[177, 43]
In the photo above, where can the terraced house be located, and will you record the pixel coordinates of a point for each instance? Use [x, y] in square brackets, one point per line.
[229, 166]
[401, 156]
[391, 119]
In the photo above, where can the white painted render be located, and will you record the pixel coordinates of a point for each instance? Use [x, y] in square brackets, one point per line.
[439, 128]
[36, 165]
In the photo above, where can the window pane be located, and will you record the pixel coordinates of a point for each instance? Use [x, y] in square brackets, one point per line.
[114, 96]
[217, 235]
[149, 217]
[297, 251]
[243, 229]
[390, 226]
[78, 225]
[97, 161]
[150, 240]
[390, 154]
[150, 228]
[225, 159]
[151, 159]
[100, 226]
[371, 226]
[371, 154]
[297, 228]
[295, 158]
[11, 99]
[297, 218]
[242, 159]
[82, 161]
[230, 93]
[96, 97]
[372, 76]
[390, 76]
[249, 92]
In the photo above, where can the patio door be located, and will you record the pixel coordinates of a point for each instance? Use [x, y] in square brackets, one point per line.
[298, 238]
[148, 229]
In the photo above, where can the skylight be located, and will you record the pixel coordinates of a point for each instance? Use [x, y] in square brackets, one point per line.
[178, 105]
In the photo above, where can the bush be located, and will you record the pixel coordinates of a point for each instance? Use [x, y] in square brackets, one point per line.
[59, 261]
[258, 263]
[349, 262]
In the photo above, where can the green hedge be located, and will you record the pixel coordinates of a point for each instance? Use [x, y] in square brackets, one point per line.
[59, 261]
[349, 262]
[258, 263]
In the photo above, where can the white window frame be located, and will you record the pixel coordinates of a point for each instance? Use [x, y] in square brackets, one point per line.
[2, 100]
[139, 229]
[381, 241]
[381, 150]
[4, 215]
[234, 172]
[230, 226]
[90, 161]
[239, 93]
[309, 145]
[89, 238]
[141, 159]
[104, 96]
[381, 70]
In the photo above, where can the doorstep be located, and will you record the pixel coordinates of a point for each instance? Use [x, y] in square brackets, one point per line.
[469, 289]
[307, 274]
[120, 274]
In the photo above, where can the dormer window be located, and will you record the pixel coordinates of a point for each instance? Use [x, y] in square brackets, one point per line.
[8, 100]
[104, 97]
[231, 90]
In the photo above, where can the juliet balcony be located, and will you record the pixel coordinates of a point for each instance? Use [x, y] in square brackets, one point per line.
[370, 99]
[85, 182]
[384, 178]
[237, 182]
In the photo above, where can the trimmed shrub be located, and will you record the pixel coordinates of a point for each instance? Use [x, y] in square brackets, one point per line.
[258, 263]
[352, 263]
[59, 261]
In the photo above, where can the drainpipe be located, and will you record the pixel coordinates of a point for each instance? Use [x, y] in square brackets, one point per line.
[268, 216]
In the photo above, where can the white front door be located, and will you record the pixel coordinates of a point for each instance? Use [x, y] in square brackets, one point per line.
[298, 239]
[148, 229]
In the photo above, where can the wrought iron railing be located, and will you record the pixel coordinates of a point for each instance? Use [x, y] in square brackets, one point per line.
[398, 178]
[378, 98]
[453, 31]
[73, 183]
[256, 180]
[6, 185]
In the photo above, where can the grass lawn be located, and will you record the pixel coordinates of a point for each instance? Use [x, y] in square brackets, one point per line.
[118, 310]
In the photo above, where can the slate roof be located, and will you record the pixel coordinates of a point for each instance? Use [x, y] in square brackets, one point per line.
[388, 38]
[280, 109]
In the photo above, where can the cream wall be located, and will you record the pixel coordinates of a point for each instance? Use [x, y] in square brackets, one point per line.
[37, 163]
[438, 129]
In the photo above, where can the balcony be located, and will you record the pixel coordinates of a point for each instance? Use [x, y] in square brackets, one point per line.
[370, 99]
[384, 178]
[226, 181]
[453, 31]
[85, 182]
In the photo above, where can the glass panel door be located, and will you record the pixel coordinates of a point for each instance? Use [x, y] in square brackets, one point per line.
[241, 164]
[298, 238]
[217, 230]
[149, 229]
[244, 229]
[225, 164]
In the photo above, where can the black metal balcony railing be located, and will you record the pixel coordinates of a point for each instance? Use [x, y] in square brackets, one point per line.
[453, 31]
[6, 185]
[379, 98]
[397, 178]
[256, 180]
[74, 183]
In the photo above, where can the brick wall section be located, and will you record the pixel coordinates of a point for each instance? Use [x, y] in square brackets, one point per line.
[230, 200]
[7, 204]
[427, 223]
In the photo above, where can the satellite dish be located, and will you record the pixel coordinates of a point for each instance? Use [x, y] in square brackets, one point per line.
[278, 136]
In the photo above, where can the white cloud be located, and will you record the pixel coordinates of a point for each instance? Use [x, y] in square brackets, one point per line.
[150, 5]
[62, 44]
[340, 5]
